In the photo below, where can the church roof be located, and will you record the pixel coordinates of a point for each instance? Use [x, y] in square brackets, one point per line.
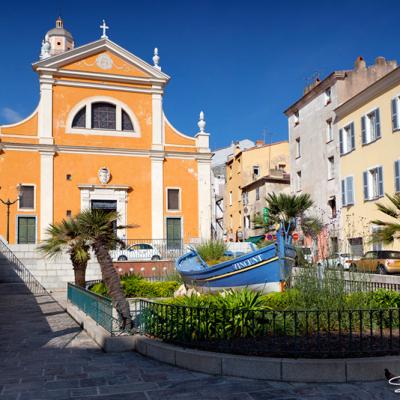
[59, 32]
[57, 61]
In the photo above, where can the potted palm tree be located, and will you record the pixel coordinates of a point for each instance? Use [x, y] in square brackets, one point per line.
[65, 237]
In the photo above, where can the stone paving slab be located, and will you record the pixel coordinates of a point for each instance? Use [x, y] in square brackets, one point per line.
[45, 355]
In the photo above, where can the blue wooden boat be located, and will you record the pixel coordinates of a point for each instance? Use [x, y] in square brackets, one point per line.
[265, 269]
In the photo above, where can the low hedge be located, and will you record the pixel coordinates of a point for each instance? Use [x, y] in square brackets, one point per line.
[137, 286]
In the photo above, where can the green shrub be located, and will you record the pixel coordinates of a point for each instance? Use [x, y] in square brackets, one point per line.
[99, 288]
[212, 250]
[384, 299]
[137, 286]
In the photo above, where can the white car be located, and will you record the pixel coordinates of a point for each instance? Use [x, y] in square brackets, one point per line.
[336, 260]
[137, 251]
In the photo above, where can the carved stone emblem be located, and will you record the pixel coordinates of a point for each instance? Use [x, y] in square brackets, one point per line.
[104, 175]
[103, 61]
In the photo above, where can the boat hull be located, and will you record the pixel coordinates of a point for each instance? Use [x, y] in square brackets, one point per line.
[263, 270]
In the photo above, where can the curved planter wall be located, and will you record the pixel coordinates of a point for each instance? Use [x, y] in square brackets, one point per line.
[277, 369]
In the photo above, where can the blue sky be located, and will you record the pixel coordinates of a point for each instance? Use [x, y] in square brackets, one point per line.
[241, 62]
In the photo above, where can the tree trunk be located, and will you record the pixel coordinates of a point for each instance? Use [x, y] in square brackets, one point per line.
[113, 284]
[80, 274]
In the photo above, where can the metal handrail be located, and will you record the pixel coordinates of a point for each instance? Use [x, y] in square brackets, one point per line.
[21, 270]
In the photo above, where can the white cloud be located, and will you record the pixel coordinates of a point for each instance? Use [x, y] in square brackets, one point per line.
[11, 116]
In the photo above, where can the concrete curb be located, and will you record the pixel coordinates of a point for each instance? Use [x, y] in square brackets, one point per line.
[268, 368]
[110, 344]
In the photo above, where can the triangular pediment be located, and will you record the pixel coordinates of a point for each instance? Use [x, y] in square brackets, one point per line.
[101, 57]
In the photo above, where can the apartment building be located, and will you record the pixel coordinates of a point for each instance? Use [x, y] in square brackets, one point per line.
[369, 147]
[250, 175]
[314, 143]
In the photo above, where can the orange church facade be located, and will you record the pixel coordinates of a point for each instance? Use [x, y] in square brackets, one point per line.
[99, 138]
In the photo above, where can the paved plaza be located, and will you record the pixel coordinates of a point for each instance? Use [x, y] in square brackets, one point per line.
[45, 355]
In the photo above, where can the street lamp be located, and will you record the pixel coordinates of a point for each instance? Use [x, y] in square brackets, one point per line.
[8, 203]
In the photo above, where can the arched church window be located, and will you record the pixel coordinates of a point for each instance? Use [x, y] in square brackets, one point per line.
[79, 120]
[103, 116]
[126, 122]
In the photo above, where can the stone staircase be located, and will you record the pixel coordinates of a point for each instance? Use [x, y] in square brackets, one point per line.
[15, 276]
[53, 274]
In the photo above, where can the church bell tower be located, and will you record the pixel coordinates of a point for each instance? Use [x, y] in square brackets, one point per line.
[57, 40]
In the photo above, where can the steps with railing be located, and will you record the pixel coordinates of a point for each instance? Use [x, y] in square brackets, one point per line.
[11, 266]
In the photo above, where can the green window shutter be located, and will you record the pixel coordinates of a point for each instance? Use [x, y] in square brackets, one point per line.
[397, 175]
[395, 119]
[363, 130]
[365, 185]
[26, 230]
[377, 124]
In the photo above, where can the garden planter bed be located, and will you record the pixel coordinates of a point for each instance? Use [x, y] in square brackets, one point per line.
[323, 346]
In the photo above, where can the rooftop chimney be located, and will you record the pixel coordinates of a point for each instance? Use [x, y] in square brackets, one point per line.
[360, 63]
[259, 143]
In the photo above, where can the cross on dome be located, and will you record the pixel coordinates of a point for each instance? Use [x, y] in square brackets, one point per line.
[104, 27]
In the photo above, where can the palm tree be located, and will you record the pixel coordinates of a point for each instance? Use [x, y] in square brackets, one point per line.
[98, 228]
[389, 230]
[65, 236]
[285, 209]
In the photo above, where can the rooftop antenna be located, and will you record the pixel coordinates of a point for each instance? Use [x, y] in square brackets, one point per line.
[313, 77]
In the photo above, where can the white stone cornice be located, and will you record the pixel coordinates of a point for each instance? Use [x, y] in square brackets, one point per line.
[154, 154]
[121, 88]
[111, 187]
[155, 82]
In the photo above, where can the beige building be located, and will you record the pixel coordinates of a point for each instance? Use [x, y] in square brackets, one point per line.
[314, 143]
[250, 175]
[369, 147]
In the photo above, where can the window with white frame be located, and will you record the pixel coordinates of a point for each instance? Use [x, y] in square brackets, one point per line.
[257, 193]
[281, 167]
[256, 171]
[331, 167]
[373, 183]
[230, 198]
[298, 181]
[329, 131]
[102, 115]
[328, 96]
[27, 197]
[347, 140]
[296, 118]
[245, 198]
[347, 191]
[370, 127]
[397, 176]
[298, 148]
[173, 199]
[246, 221]
[395, 113]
